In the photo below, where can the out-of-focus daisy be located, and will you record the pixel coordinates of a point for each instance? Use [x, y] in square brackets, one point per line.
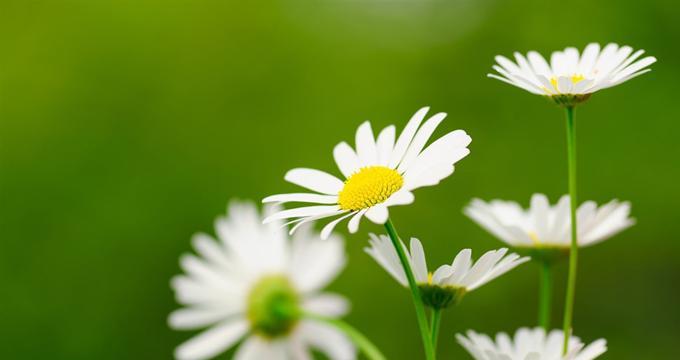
[529, 344]
[571, 77]
[448, 283]
[546, 226]
[378, 174]
[253, 284]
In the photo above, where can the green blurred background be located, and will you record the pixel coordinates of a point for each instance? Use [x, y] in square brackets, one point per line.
[126, 126]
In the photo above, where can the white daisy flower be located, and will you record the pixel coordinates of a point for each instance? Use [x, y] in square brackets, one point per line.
[529, 344]
[380, 173]
[546, 226]
[448, 283]
[252, 285]
[571, 78]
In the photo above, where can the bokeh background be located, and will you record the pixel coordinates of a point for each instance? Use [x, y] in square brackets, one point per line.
[126, 126]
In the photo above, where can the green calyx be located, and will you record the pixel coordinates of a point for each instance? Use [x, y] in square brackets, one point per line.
[273, 306]
[569, 100]
[441, 297]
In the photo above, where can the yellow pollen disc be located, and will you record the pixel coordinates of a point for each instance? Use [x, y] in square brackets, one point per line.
[369, 186]
[429, 278]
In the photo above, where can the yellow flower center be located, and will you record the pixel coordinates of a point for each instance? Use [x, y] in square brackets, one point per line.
[369, 186]
[429, 278]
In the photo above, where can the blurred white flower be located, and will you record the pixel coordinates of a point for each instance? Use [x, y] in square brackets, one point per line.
[570, 78]
[380, 173]
[449, 282]
[529, 344]
[546, 226]
[253, 285]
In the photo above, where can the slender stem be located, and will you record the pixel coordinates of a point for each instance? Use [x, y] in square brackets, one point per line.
[545, 299]
[366, 346]
[415, 292]
[434, 323]
[573, 254]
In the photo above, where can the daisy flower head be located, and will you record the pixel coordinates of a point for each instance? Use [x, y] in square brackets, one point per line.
[570, 77]
[529, 344]
[378, 173]
[545, 226]
[253, 285]
[449, 283]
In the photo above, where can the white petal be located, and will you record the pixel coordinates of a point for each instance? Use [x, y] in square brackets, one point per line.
[383, 252]
[538, 64]
[378, 214]
[346, 159]
[419, 141]
[316, 262]
[255, 348]
[326, 231]
[419, 262]
[328, 340]
[301, 197]
[460, 267]
[304, 212]
[210, 250]
[593, 350]
[196, 318]
[315, 180]
[441, 274]
[406, 136]
[212, 341]
[353, 225]
[385, 145]
[401, 197]
[482, 267]
[327, 304]
[365, 144]
[639, 65]
[530, 89]
[564, 85]
[436, 161]
[588, 58]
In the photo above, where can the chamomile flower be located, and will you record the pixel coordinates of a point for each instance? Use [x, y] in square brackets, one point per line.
[571, 77]
[529, 344]
[252, 285]
[380, 173]
[546, 226]
[448, 283]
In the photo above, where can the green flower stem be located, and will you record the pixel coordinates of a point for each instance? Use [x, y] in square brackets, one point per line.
[434, 323]
[366, 346]
[573, 254]
[545, 297]
[415, 292]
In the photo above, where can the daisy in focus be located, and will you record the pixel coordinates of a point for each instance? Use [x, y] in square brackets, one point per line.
[378, 173]
[448, 283]
[253, 285]
[570, 77]
[546, 226]
[529, 344]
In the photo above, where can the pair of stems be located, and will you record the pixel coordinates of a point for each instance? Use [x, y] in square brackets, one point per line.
[428, 332]
[428, 335]
[545, 292]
